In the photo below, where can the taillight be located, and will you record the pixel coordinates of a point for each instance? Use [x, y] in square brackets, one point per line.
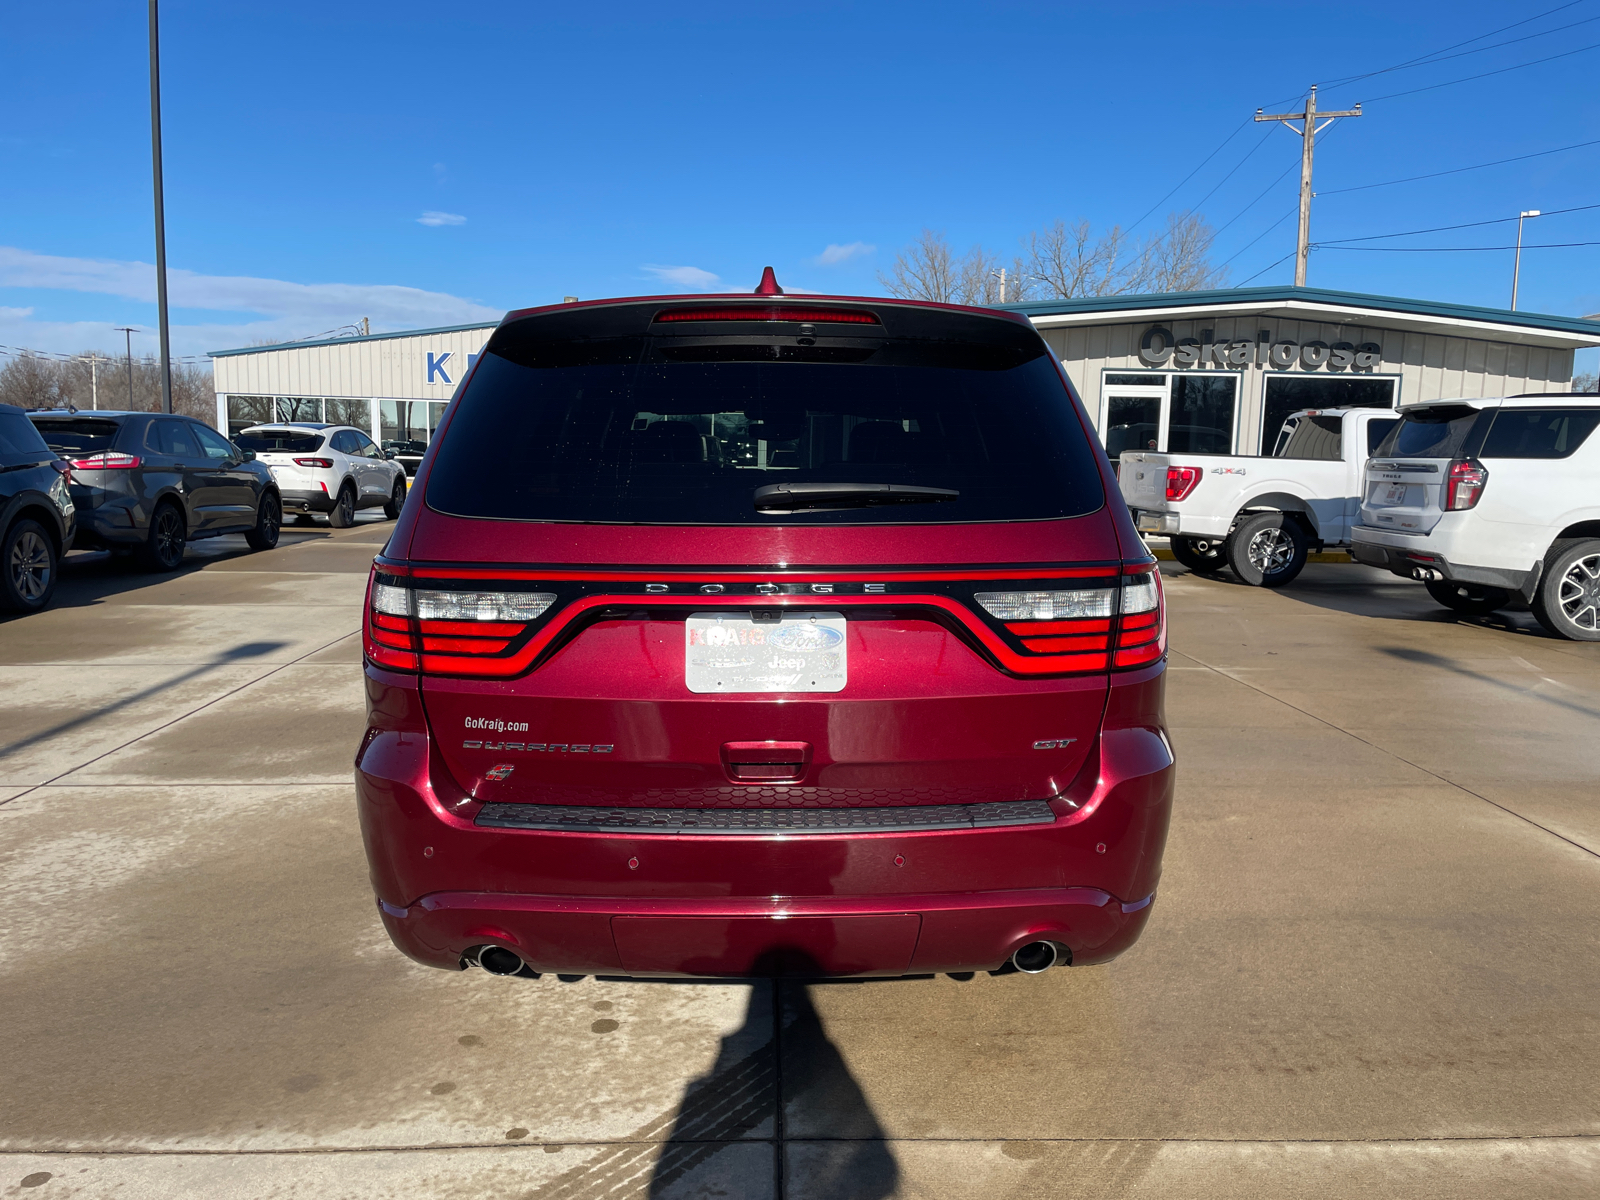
[110, 460]
[1087, 629]
[448, 632]
[313, 462]
[1464, 485]
[1181, 481]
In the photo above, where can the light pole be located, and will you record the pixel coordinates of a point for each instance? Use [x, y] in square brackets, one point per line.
[161, 218]
[129, 331]
[1516, 266]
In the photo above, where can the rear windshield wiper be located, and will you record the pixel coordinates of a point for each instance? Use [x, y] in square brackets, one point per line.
[788, 497]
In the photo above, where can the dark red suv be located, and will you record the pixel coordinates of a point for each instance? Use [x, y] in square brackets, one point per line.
[744, 635]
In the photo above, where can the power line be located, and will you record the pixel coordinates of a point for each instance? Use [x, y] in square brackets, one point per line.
[1485, 74]
[56, 355]
[1261, 235]
[1551, 212]
[1265, 134]
[1454, 249]
[1458, 170]
[1267, 268]
[1189, 176]
[1434, 56]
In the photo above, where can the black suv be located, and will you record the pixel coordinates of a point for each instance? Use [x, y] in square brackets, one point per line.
[151, 483]
[36, 514]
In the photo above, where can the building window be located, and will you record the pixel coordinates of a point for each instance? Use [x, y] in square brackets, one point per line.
[292, 408]
[245, 411]
[1192, 413]
[406, 427]
[1290, 393]
[356, 413]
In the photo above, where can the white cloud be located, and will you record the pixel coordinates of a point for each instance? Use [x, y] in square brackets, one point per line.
[286, 310]
[685, 277]
[835, 254]
[441, 218]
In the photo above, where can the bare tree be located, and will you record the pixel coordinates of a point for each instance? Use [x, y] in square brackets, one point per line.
[1062, 261]
[30, 381]
[33, 381]
[924, 270]
[1584, 381]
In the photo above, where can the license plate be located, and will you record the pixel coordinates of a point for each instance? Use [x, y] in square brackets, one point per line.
[1394, 493]
[802, 652]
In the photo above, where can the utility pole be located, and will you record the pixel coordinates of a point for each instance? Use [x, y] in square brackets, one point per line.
[129, 331]
[1516, 266]
[161, 218]
[94, 380]
[1308, 132]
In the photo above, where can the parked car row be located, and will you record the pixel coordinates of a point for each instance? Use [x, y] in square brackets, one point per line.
[1488, 502]
[148, 484]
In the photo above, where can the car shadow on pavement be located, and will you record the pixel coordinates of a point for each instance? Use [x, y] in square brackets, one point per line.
[1424, 659]
[238, 654]
[1367, 592]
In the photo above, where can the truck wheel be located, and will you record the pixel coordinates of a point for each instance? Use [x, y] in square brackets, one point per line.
[1201, 555]
[1567, 602]
[1470, 599]
[1268, 549]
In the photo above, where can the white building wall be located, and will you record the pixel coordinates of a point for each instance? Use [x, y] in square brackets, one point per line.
[1428, 366]
[372, 367]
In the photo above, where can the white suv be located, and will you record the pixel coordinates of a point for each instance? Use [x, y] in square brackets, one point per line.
[333, 469]
[1492, 503]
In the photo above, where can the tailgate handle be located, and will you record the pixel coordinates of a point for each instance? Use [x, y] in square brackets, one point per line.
[765, 762]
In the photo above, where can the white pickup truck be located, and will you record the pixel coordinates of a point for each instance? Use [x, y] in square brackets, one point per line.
[1258, 514]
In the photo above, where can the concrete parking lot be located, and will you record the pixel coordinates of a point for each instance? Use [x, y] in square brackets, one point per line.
[1371, 969]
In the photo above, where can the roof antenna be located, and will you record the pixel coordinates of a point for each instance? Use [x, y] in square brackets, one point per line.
[769, 284]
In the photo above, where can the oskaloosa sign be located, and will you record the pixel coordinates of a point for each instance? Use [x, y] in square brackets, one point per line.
[1158, 347]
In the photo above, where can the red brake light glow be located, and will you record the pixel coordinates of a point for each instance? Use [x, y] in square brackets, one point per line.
[1181, 481]
[110, 460]
[1464, 485]
[770, 312]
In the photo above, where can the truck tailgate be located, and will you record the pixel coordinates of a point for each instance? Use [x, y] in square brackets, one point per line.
[1142, 476]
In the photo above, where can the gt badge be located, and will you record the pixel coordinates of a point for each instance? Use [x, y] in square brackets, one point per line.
[1054, 744]
[499, 772]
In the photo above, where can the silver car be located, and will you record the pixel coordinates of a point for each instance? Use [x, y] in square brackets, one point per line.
[332, 469]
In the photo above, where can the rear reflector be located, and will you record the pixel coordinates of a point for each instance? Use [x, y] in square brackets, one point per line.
[770, 312]
[108, 461]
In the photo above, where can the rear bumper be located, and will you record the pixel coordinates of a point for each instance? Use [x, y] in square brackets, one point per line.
[298, 500]
[687, 904]
[720, 938]
[1412, 556]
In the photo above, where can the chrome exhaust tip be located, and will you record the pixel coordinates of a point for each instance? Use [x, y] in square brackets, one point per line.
[497, 960]
[1035, 957]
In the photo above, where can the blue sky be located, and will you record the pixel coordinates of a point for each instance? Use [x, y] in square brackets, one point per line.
[626, 149]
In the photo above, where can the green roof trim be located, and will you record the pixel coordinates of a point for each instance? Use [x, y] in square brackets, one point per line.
[1268, 296]
[345, 341]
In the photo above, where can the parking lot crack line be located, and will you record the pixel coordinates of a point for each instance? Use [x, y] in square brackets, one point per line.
[1226, 674]
[183, 716]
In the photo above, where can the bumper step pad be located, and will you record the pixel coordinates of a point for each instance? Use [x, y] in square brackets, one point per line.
[565, 818]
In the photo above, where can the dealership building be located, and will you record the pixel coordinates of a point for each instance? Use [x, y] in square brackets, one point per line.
[1213, 371]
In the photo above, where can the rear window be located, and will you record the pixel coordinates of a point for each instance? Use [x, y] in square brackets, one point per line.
[1436, 432]
[1315, 437]
[683, 430]
[18, 436]
[77, 436]
[1538, 432]
[298, 441]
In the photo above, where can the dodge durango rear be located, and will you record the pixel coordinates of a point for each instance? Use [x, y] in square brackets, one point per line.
[803, 636]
